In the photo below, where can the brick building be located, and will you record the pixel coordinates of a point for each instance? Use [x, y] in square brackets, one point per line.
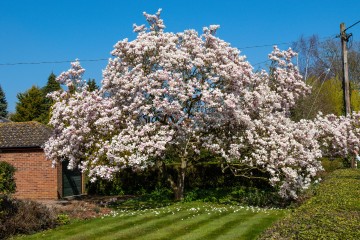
[20, 145]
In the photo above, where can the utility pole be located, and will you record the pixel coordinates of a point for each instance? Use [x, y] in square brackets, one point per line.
[345, 83]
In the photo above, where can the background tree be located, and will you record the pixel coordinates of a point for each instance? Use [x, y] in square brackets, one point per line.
[3, 104]
[51, 86]
[35, 104]
[91, 85]
[320, 63]
[30, 105]
[326, 97]
[322, 59]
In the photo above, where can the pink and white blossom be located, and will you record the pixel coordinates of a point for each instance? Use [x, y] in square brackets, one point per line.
[188, 92]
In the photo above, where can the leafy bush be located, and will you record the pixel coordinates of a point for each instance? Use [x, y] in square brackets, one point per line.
[237, 195]
[63, 219]
[332, 213]
[24, 217]
[126, 182]
[331, 164]
[7, 180]
[201, 176]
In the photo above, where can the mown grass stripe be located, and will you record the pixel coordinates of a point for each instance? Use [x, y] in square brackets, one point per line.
[182, 228]
[98, 225]
[253, 230]
[142, 229]
[230, 223]
[250, 228]
[74, 229]
[212, 226]
[119, 224]
[183, 221]
[69, 229]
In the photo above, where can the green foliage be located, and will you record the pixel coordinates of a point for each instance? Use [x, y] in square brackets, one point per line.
[34, 105]
[158, 195]
[237, 195]
[127, 182]
[3, 104]
[332, 164]
[332, 213]
[29, 106]
[325, 97]
[355, 97]
[51, 85]
[7, 180]
[63, 219]
[205, 182]
[91, 85]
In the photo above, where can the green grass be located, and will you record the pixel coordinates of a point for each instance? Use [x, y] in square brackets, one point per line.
[194, 220]
[332, 213]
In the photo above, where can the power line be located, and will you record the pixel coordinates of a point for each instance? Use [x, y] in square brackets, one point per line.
[106, 59]
[52, 62]
[352, 25]
[265, 45]
[278, 44]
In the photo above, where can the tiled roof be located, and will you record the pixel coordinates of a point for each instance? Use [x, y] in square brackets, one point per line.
[23, 134]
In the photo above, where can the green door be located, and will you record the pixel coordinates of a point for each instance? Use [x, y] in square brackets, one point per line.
[71, 181]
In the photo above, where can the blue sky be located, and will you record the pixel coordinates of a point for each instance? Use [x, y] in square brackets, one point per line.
[47, 31]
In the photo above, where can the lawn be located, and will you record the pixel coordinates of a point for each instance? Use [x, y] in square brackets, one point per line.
[195, 220]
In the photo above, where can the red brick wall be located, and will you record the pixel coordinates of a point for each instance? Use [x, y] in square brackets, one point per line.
[35, 178]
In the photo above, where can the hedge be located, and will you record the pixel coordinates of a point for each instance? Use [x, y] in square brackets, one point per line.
[332, 213]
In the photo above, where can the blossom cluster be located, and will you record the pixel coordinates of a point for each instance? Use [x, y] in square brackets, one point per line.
[338, 135]
[188, 92]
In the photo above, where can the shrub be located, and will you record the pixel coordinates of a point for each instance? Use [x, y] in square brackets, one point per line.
[331, 164]
[24, 217]
[63, 219]
[237, 195]
[201, 176]
[7, 180]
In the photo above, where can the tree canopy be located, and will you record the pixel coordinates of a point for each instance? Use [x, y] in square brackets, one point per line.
[3, 104]
[180, 94]
[34, 104]
[29, 106]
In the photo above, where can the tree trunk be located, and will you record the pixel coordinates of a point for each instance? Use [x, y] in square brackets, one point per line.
[179, 189]
[178, 186]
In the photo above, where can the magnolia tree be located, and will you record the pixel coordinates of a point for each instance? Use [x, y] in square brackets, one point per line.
[338, 135]
[179, 94]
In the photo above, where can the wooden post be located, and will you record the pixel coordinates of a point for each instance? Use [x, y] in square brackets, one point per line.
[345, 83]
[346, 86]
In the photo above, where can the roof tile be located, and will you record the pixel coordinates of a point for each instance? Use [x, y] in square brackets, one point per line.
[23, 134]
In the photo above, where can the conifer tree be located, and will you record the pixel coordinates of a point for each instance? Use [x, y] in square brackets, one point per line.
[51, 86]
[34, 105]
[3, 104]
[92, 86]
[29, 106]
